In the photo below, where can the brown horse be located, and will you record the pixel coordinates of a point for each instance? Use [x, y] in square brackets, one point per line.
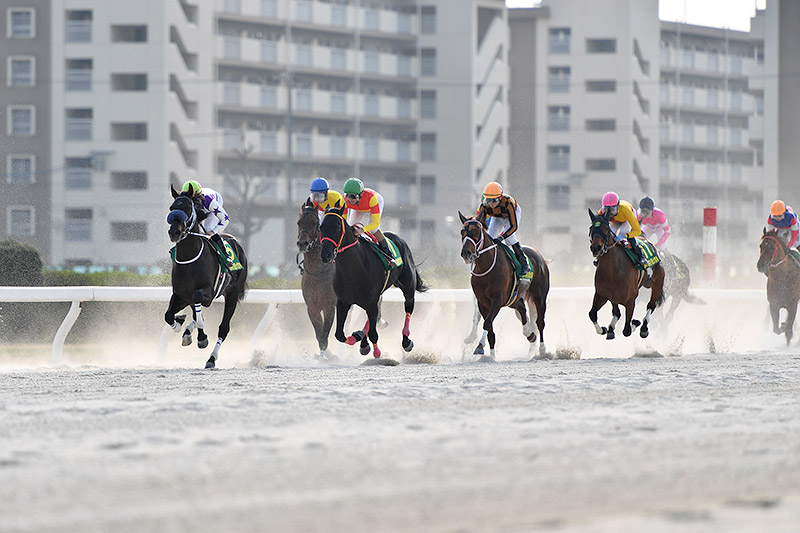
[617, 280]
[783, 281]
[494, 280]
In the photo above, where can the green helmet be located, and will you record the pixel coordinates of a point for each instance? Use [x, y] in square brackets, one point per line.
[195, 187]
[353, 186]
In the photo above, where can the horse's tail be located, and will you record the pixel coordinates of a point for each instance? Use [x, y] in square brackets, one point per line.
[693, 299]
[421, 287]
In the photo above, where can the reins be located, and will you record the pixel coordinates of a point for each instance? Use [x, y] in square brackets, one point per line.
[772, 264]
[479, 250]
[338, 245]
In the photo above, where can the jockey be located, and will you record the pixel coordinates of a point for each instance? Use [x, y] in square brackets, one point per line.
[622, 219]
[783, 220]
[323, 198]
[654, 223]
[504, 215]
[364, 209]
[213, 217]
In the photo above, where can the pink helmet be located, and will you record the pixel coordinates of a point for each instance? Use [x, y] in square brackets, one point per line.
[610, 199]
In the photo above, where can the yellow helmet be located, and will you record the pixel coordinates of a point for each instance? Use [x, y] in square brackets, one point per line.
[492, 190]
[777, 209]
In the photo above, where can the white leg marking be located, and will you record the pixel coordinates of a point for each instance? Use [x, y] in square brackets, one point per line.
[201, 323]
[483, 338]
[614, 320]
[597, 328]
[542, 349]
[215, 353]
[526, 327]
[491, 353]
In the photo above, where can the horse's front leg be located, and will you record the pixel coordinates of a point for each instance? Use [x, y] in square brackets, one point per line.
[528, 329]
[489, 327]
[341, 315]
[186, 339]
[597, 303]
[199, 296]
[775, 313]
[789, 324]
[372, 318]
[175, 321]
[629, 307]
[224, 328]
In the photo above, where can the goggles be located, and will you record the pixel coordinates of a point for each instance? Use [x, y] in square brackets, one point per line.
[491, 201]
[353, 197]
[647, 213]
[319, 197]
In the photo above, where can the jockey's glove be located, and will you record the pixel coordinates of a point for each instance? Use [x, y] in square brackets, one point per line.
[619, 238]
[497, 240]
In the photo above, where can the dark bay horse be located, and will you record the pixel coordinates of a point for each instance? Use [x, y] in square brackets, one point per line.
[197, 276]
[617, 280]
[676, 284]
[494, 279]
[360, 278]
[783, 281]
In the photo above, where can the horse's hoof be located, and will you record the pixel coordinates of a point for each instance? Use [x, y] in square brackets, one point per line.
[359, 335]
[350, 340]
[532, 337]
[635, 323]
[202, 343]
[604, 331]
[376, 353]
[627, 332]
[365, 350]
[180, 319]
[211, 363]
[644, 332]
[408, 344]
[610, 335]
[478, 350]
[186, 340]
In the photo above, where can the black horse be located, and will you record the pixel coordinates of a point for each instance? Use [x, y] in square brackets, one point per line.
[360, 278]
[676, 284]
[197, 275]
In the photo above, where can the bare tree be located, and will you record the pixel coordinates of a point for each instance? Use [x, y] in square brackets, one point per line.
[247, 190]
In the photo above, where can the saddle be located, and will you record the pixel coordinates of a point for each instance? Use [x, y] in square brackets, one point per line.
[649, 252]
[397, 259]
[237, 265]
[517, 266]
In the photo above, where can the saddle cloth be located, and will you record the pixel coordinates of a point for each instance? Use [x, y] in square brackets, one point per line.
[237, 265]
[648, 250]
[517, 266]
[398, 260]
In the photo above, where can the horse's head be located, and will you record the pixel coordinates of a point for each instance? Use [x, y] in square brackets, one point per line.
[601, 238]
[182, 216]
[332, 232]
[307, 227]
[769, 250]
[472, 236]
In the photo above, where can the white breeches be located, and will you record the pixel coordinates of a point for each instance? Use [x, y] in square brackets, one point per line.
[498, 225]
[364, 217]
[212, 224]
[620, 228]
[654, 234]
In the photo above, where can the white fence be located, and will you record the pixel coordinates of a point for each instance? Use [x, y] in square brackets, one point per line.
[273, 298]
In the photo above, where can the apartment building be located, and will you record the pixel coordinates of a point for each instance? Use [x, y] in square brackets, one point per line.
[381, 90]
[712, 134]
[25, 155]
[585, 112]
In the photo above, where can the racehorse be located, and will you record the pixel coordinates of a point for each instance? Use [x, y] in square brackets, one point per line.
[676, 284]
[197, 276]
[617, 280]
[494, 283]
[361, 278]
[783, 281]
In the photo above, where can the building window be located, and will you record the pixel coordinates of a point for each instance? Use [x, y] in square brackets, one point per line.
[428, 104]
[21, 169]
[129, 34]
[713, 61]
[231, 48]
[428, 62]
[371, 105]
[20, 221]
[403, 65]
[304, 11]
[601, 86]
[403, 108]
[557, 197]
[427, 24]
[128, 231]
[303, 145]
[736, 136]
[712, 98]
[604, 124]
[129, 181]
[736, 173]
[78, 125]
[712, 135]
[304, 55]
[303, 100]
[687, 173]
[371, 149]
[269, 97]
[404, 23]
[427, 190]
[78, 75]
[687, 133]
[601, 46]
[338, 103]
[688, 58]
[338, 147]
[712, 172]
[129, 131]
[371, 62]
[403, 151]
[78, 225]
[688, 95]
[558, 158]
[372, 20]
[78, 26]
[601, 165]
[558, 79]
[231, 93]
[736, 65]
[20, 23]
[663, 169]
[338, 58]
[269, 143]
[338, 15]
[558, 40]
[736, 100]
[268, 8]
[78, 173]
[268, 51]
[21, 71]
[232, 6]
[428, 147]
[129, 82]
[558, 118]
[21, 121]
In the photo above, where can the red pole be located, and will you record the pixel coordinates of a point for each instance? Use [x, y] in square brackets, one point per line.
[709, 243]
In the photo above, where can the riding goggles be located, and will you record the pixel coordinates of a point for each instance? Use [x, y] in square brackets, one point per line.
[353, 197]
[319, 197]
[491, 201]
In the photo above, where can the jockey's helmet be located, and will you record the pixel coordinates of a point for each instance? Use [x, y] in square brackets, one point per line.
[319, 185]
[777, 208]
[647, 203]
[353, 186]
[493, 190]
[610, 199]
[194, 185]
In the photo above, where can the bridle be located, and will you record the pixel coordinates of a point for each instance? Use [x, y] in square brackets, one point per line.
[775, 248]
[338, 245]
[596, 229]
[479, 249]
[313, 236]
[186, 231]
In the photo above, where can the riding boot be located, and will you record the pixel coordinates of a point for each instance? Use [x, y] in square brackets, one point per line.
[639, 253]
[384, 246]
[217, 239]
[523, 261]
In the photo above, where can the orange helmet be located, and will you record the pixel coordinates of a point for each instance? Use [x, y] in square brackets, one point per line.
[777, 209]
[492, 190]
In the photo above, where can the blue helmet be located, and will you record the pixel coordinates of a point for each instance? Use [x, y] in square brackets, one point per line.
[319, 185]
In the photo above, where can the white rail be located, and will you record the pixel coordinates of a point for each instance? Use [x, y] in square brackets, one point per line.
[273, 298]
